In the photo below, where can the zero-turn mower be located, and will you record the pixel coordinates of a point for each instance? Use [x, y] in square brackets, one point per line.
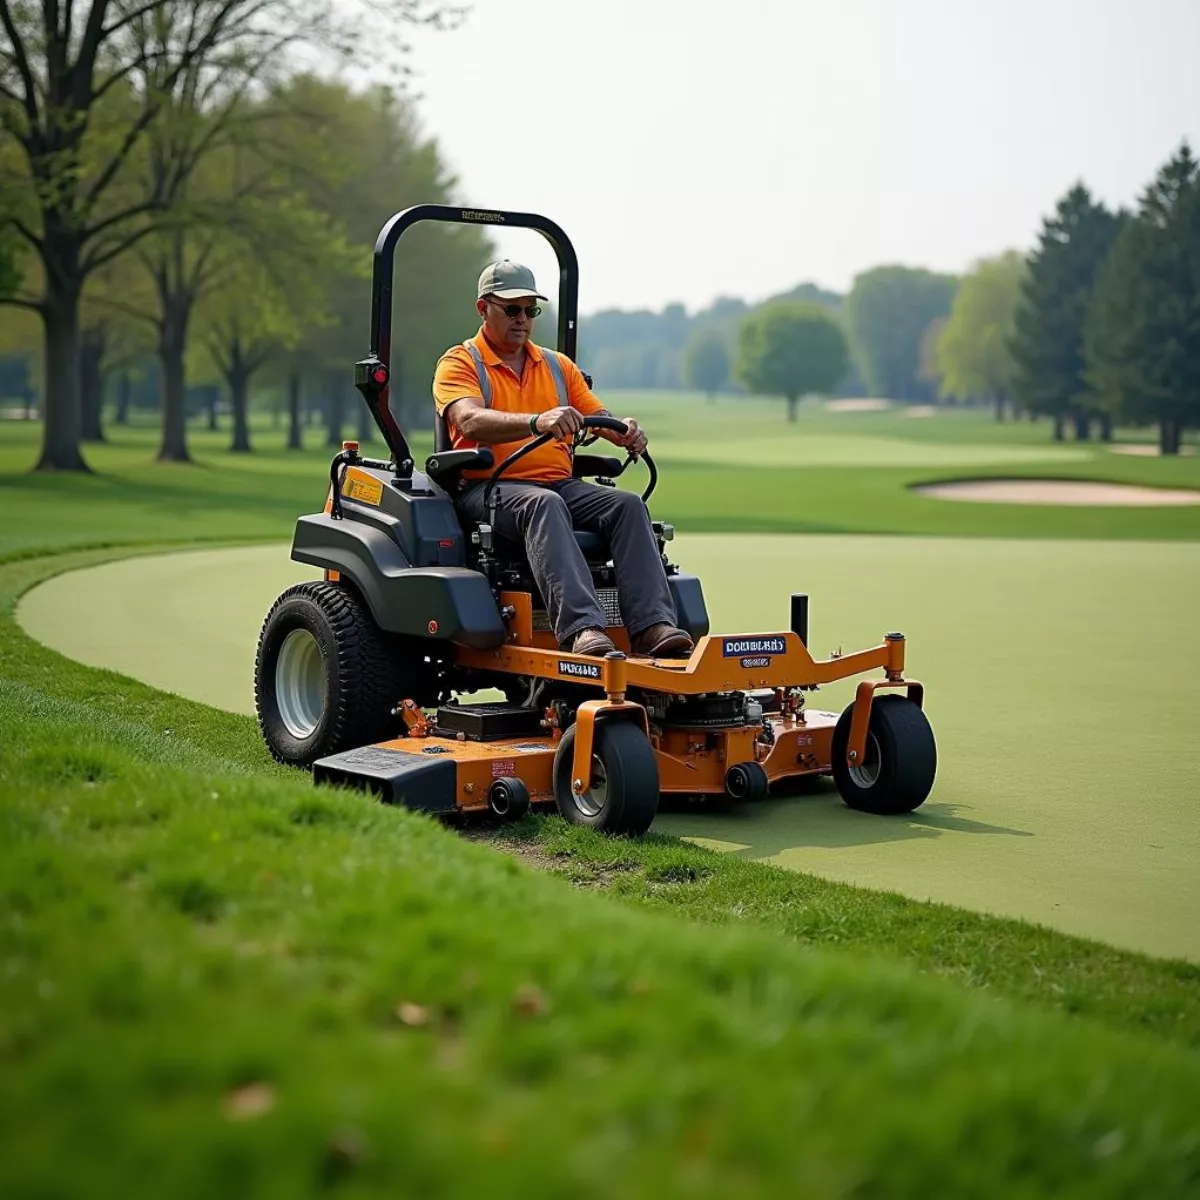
[365, 676]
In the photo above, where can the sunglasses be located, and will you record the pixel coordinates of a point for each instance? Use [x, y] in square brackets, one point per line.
[513, 311]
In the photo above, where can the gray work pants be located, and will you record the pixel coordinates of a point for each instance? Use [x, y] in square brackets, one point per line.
[542, 515]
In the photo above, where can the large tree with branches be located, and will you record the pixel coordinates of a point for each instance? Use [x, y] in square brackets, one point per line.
[80, 87]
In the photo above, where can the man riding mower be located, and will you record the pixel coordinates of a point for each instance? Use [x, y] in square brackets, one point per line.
[498, 568]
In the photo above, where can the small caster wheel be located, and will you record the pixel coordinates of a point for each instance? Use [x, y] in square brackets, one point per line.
[508, 799]
[746, 781]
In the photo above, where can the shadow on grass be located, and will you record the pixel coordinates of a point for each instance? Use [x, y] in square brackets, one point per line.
[811, 814]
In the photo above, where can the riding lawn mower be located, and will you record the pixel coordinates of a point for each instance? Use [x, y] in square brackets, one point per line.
[367, 676]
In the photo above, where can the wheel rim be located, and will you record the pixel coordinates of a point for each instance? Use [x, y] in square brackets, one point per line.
[300, 683]
[592, 801]
[868, 774]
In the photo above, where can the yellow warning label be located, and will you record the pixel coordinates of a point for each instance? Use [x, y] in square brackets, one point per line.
[362, 488]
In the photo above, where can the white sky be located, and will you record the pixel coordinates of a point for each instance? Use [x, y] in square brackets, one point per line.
[693, 147]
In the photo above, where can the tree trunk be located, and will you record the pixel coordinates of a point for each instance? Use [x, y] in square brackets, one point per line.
[333, 382]
[1083, 427]
[29, 399]
[91, 386]
[998, 402]
[1058, 427]
[123, 390]
[1106, 427]
[171, 343]
[61, 425]
[791, 407]
[295, 441]
[1168, 436]
[214, 396]
[238, 379]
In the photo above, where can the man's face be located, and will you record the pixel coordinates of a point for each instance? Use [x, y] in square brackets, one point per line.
[514, 331]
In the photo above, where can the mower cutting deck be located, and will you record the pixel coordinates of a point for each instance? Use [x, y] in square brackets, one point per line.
[363, 676]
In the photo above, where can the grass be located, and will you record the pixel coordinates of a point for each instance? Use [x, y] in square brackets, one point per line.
[214, 979]
[714, 478]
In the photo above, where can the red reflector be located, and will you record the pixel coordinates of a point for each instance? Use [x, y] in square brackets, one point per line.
[446, 543]
[380, 374]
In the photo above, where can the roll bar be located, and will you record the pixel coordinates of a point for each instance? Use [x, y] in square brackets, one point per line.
[372, 375]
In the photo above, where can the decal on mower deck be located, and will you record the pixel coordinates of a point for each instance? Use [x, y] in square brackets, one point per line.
[503, 767]
[579, 670]
[364, 489]
[735, 647]
[764, 661]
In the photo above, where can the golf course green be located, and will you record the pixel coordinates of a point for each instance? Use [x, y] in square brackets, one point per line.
[1063, 678]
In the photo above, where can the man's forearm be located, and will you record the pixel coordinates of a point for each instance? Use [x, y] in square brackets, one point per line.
[488, 426]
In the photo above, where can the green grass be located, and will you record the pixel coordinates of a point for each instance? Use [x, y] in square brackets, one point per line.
[733, 466]
[1036, 813]
[214, 979]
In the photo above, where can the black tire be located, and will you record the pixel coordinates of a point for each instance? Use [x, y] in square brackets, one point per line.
[351, 676]
[508, 799]
[900, 763]
[624, 759]
[746, 782]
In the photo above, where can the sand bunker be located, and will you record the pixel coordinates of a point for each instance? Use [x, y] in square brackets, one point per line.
[920, 410]
[1145, 450]
[842, 406]
[1057, 491]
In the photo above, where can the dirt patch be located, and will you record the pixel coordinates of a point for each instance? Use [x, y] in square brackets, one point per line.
[1058, 491]
[591, 876]
[844, 406]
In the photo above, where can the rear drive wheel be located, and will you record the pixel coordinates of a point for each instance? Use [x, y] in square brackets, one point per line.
[900, 763]
[326, 677]
[621, 795]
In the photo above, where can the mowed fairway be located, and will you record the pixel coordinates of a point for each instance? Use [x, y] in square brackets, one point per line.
[1062, 684]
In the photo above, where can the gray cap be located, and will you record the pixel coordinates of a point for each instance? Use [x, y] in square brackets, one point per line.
[507, 281]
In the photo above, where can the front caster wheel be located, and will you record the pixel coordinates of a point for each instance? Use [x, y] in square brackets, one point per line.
[508, 799]
[897, 770]
[621, 795]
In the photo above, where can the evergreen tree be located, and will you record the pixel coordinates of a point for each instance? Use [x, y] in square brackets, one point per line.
[1142, 335]
[1048, 343]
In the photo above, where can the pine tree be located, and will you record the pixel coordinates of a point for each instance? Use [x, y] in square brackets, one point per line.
[1143, 327]
[1048, 344]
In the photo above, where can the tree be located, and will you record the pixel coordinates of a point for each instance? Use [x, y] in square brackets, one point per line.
[886, 313]
[1047, 344]
[706, 362]
[1142, 331]
[790, 349]
[63, 69]
[974, 352]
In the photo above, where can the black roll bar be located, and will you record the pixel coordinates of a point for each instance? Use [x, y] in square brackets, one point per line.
[372, 375]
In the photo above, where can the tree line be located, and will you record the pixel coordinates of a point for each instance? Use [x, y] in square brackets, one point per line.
[176, 202]
[1098, 324]
[182, 215]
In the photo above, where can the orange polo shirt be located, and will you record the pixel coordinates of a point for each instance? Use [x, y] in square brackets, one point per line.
[455, 379]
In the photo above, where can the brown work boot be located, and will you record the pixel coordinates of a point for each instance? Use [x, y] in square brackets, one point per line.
[592, 641]
[662, 641]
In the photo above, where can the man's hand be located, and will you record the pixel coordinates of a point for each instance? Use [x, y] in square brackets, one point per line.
[635, 439]
[561, 422]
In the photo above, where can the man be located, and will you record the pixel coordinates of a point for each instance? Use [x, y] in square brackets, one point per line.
[500, 389]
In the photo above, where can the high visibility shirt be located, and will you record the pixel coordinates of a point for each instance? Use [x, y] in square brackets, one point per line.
[456, 378]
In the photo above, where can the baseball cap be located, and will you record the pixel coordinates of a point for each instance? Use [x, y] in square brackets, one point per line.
[507, 280]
